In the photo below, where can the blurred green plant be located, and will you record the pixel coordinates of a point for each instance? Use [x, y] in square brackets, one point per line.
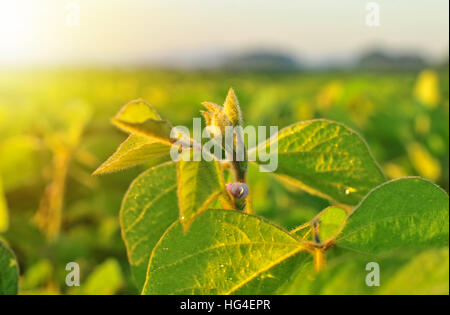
[106, 279]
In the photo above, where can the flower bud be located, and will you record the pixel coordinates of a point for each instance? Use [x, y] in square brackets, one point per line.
[238, 190]
[232, 109]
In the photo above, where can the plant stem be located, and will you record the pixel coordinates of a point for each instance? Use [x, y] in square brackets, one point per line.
[320, 259]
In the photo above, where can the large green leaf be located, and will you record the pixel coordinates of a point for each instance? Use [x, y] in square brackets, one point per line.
[423, 272]
[324, 158]
[275, 278]
[400, 214]
[149, 207]
[222, 253]
[134, 151]
[403, 226]
[199, 183]
[9, 271]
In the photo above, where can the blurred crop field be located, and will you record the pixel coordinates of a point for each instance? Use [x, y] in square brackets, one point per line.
[55, 130]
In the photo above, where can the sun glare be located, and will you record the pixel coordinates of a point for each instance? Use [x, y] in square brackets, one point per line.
[15, 28]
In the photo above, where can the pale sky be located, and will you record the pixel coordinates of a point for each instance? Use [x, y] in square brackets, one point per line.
[138, 31]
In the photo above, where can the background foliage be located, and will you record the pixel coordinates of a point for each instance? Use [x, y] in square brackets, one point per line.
[55, 131]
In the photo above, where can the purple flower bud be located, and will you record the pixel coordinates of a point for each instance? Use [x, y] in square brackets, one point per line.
[238, 190]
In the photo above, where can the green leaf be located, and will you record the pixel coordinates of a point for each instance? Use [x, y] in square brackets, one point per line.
[324, 158]
[423, 272]
[222, 253]
[400, 214]
[4, 216]
[149, 207]
[199, 184]
[331, 221]
[137, 111]
[139, 117]
[276, 278]
[9, 271]
[158, 130]
[143, 146]
[133, 151]
[403, 226]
